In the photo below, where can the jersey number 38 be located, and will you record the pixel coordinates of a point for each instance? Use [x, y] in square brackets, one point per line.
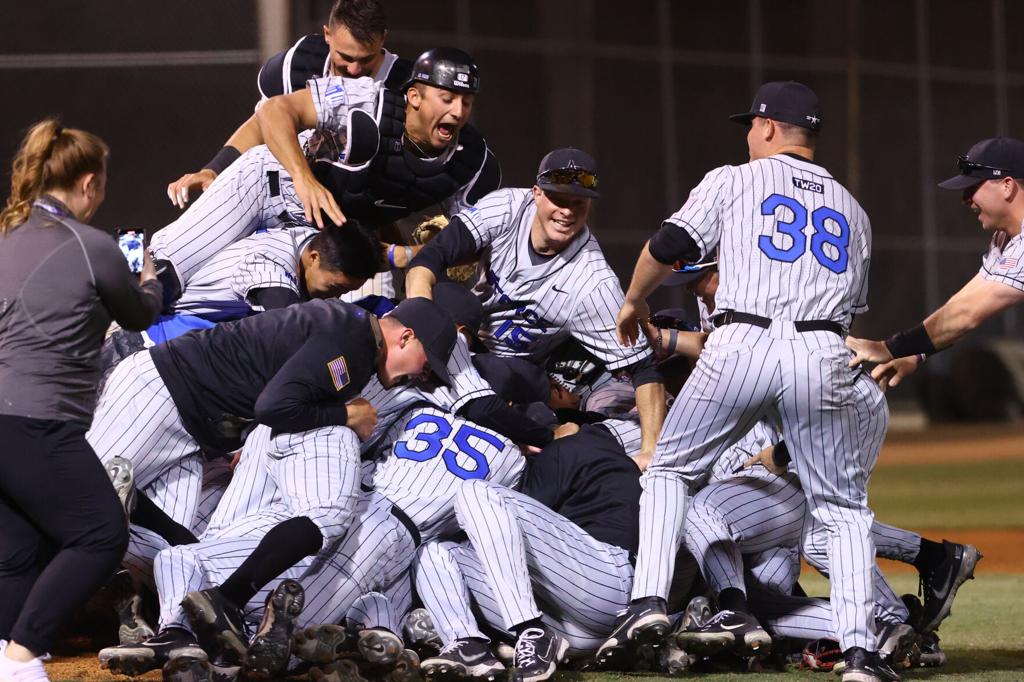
[435, 441]
[834, 259]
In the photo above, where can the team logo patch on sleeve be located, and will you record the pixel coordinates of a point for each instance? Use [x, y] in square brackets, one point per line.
[339, 372]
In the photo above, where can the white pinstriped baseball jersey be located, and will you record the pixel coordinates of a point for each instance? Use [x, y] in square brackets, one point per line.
[267, 259]
[335, 99]
[1004, 260]
[573, 293]
[467, 384]
[795, 245]
[432, 454]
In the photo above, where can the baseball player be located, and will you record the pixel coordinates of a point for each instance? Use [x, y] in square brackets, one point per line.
[377, 154]
[762, 508]
[544, 275]
[573, 524]
[351, 46]
[793, 248]
[991, 181]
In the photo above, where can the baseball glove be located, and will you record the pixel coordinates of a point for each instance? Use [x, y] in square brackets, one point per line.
[430, 228]
[821, 654]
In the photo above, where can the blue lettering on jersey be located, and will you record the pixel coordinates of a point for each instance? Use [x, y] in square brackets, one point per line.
[835, 259]
[509, 333]
[434, 440]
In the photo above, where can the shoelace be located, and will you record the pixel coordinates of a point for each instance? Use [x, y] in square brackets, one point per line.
[454, 646]
[526, 653]
[718, 618]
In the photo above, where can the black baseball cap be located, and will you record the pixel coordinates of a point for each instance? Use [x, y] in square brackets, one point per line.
[448, 68]
[786, 101]
[569, 171]
[464, 307]
[991, 159]
[434, 329]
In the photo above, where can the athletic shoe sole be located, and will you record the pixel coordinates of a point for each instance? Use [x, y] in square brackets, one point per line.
[320, 644]
[122, 477]
[269, 650]
[187, 669]
[754, 643]
[379, 647]
[340, 671]
[447, 670]
[132, 663]
[204, 616]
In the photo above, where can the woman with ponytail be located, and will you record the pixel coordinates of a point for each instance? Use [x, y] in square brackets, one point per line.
[62, 527]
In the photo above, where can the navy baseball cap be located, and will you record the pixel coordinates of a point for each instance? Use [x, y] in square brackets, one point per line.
[569, 171]
[786, 101]
[684, 273]
[992, 159]
[434, 329]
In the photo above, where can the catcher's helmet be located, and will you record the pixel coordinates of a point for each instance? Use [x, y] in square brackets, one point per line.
[448, 68]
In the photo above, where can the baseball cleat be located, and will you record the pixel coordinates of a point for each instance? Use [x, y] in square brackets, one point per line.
[224, 670]
[344, 670]
[930, 654]
[218, 623]
[418, 630]
[122, 476]
[187, 669]
[463, 659]
[132, 626]
[322, 644]
[697, 613]
[895, 643]
[862, 665]
[406, 668]
[379, 646]
[538, 653]
[152, 654]
[727, 630]
[270, 647]
[939, 585]
[644, 622]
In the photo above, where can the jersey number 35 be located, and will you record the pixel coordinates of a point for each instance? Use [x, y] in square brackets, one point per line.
[835, 259]
[435, 441]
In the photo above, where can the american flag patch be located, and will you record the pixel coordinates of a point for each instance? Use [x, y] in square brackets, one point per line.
[339, 372]
[335, 95]
[1006, 262]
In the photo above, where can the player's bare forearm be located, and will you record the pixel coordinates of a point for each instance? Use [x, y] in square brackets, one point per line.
[247, 136]
[650, 404]
[979, 300]
[280, 119]
[419, 281]
[647, 276]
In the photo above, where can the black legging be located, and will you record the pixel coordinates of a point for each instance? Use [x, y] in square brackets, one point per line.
[62, 529]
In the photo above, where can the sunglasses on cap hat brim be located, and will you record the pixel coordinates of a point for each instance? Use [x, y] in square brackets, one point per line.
[684, 273]
[569, 181]
[973, 173]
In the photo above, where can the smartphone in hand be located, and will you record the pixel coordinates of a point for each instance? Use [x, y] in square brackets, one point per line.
[133, 246]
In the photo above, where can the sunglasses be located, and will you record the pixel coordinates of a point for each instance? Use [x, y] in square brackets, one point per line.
[570, 176]
[980, 170]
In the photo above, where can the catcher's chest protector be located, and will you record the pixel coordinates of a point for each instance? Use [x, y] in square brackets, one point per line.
[395, 182]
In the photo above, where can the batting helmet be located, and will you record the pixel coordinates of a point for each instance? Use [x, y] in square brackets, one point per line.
[448, 68]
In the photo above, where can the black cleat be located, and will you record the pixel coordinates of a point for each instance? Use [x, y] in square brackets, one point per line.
[271, 646]
[538, 653]
[896, 643]
[345, 670]
[122, 477]
[939, 585]
[419, 631]
[644, 622]
[187, 669]
[931, 654]
[323, 644]
[152, 654]
[379, 646]
[726, 631]
[865, 666]
[132, 625]
[218, 624]
[463, 659]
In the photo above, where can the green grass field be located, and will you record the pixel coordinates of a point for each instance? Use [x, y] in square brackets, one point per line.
[984, 638]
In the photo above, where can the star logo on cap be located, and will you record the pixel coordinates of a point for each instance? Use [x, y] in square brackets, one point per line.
[813, 119]
[572, 165]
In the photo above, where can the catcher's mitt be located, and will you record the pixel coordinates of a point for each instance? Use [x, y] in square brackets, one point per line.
[430, 228]
[821, 654]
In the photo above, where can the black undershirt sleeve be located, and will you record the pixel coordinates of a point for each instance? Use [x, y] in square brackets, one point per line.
[303, 395]
[493, 413]
[272, 298]
[452, 246]
[671, 243]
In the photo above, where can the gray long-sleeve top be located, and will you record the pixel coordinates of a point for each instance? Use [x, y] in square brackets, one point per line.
[61, 282]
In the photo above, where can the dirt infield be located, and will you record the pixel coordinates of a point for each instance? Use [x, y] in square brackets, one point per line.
[954, 444]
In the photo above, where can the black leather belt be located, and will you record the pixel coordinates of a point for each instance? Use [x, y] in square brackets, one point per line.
[404, 519]
[733, 316]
